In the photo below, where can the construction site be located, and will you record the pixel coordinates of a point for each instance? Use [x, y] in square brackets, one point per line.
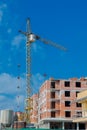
[54, 106]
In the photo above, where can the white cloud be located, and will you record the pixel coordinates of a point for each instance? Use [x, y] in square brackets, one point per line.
[2, 8]
[9, 91]
[8, 83]
[10, 95]
[17, 40]
[6, 103]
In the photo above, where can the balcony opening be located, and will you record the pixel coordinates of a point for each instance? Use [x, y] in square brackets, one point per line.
[67, 93]
[52, 84]
[53, 105]
[67, 83]
[67, 103]
[52, 94]
[52, 114]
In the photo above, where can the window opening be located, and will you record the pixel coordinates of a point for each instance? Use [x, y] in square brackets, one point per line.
[67, 113]
[52, 84]
[67, 83]
[78, 84]
[67, 93]
[67, 103]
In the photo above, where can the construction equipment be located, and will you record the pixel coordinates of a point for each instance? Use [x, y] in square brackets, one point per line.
[31, 37]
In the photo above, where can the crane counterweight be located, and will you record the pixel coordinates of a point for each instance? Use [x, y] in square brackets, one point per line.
[32, 38]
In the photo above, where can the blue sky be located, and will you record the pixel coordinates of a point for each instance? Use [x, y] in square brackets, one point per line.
[63, 22]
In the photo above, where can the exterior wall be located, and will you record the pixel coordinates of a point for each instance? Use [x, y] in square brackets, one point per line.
[51, 100]
[44, 105]
[34, 111]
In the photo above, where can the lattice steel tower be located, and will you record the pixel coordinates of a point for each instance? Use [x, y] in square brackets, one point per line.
[30, 39]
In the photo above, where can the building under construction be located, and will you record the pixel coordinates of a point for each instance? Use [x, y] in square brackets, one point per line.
[54, 106]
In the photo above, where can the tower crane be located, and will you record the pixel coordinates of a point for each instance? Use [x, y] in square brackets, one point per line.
[31, 37]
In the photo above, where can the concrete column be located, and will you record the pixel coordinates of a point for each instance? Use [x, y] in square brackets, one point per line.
[77, 126]
[62, 125]
[48, 125]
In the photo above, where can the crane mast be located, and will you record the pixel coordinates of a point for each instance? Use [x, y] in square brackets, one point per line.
[28, 61]
[28, 106]
[28, 102]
